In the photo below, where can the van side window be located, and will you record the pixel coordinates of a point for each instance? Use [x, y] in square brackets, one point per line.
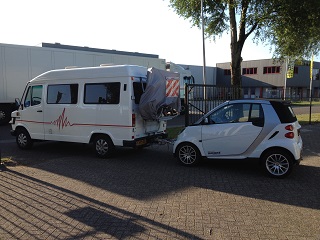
[138, 90]
[102, 93]
[62, 94]
[34, 96]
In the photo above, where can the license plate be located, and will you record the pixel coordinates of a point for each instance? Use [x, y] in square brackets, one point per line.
[141, 142]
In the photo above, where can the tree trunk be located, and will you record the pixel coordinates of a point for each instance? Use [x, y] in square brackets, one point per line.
[236, 65]
[235, 46]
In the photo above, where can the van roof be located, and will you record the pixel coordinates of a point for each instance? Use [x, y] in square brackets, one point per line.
[92, 72]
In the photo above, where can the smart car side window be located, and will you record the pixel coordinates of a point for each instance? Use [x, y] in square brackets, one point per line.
[231, 114]
[257, 115]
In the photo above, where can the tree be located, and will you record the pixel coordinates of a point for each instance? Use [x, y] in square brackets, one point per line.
[294, 30]
[288, 25]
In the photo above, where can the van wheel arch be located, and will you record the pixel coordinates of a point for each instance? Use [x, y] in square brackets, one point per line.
[103, 145]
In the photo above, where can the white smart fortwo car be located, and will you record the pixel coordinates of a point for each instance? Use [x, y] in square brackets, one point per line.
[266, 130]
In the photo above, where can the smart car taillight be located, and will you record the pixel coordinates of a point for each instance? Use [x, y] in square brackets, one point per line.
[289, 127]
[289, 135]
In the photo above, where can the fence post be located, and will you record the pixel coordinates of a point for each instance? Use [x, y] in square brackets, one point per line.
[186, 104]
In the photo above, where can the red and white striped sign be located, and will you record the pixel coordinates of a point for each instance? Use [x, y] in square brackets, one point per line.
[172, 88]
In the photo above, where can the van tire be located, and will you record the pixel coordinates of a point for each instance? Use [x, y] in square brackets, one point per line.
[103, 146]
[23, 139]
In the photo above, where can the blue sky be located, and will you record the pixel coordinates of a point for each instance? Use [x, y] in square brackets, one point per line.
[145, 26]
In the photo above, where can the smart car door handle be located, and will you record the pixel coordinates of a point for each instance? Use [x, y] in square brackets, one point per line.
[39, 111]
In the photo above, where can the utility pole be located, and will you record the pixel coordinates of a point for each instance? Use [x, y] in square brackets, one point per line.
[310, 97]
[203, 46]
[204, 59]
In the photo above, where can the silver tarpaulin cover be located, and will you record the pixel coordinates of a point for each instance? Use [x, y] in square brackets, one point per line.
[161, 98]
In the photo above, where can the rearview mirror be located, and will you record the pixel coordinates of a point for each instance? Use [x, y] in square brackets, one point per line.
[17, 102]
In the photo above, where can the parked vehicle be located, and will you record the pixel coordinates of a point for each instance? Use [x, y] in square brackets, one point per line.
[19, 64]
[98, 105]
[185, 78]
[267, 130]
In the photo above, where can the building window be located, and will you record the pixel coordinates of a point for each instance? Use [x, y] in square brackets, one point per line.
[249, 71]
[270, 70]
[296, 71]
[227, 72]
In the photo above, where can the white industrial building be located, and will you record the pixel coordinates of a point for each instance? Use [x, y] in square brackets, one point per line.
[267, 78]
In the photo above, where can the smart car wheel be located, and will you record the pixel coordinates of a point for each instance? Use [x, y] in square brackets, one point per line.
[277, 163]
[103, 146]
[188, 154]
[23, 139]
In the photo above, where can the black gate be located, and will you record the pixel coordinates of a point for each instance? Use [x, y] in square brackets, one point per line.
[200, 98]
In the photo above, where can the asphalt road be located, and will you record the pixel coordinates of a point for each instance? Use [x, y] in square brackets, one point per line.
[62, 191]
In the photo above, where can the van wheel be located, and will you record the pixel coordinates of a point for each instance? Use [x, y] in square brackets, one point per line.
[103, 146]
[23, 139]
[277, 163]
[188, 154]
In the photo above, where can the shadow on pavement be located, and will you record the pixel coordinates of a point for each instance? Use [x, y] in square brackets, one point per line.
[46, 213]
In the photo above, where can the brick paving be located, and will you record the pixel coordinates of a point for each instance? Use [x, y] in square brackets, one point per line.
[61, 191]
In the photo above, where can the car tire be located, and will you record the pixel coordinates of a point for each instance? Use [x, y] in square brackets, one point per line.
[188, 154]
[5, 116]
[103, 146]
[23, 139]
[277, 163]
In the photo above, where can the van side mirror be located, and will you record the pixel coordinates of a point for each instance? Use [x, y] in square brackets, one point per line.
[17, 102]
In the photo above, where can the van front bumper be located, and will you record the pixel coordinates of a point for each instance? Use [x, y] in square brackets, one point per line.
[144, 141]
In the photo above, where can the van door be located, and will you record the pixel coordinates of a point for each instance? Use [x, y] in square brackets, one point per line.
[61, 113]
[31, 116]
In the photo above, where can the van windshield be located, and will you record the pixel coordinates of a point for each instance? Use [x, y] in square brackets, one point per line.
[138, 89]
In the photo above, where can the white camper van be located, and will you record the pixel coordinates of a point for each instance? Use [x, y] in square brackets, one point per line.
[98, 105]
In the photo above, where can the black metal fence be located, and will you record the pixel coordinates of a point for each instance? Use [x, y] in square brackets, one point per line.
[200, 98]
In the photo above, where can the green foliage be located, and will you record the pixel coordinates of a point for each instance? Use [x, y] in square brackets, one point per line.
[174, 131]
[294, 28]
[215, 15]
[304, 118]
[289, 26]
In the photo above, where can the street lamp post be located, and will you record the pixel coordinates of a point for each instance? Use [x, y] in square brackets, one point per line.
[204, 58]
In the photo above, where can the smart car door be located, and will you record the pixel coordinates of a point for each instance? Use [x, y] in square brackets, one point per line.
[232, 129]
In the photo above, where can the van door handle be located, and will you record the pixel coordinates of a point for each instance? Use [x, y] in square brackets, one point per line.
[39, 111]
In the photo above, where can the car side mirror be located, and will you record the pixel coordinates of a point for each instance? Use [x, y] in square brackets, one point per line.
[205, 121]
